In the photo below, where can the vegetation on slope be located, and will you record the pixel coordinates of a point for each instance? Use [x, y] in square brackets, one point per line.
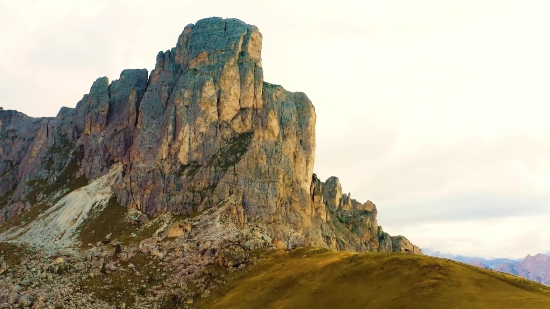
[43, 194]
[13, 253]
[319, 278]
[113, 221]
[25, 218]
[66, 179]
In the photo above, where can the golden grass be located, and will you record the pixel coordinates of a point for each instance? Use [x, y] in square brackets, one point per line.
[319, 278]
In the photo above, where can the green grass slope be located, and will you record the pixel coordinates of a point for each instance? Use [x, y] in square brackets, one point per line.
[319, 278]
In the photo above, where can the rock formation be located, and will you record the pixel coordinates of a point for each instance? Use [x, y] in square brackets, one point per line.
[200, 130]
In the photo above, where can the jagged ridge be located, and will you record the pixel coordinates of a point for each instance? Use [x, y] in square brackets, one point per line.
[202, 128]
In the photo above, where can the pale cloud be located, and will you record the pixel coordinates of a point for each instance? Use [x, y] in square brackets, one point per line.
[437, 111]
[511, 237]
[514, 163]
[463, 207]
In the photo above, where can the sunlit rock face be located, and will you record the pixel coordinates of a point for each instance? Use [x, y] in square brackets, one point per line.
[200, 129]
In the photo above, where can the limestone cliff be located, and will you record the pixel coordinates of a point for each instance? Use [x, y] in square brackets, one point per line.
[201, 129]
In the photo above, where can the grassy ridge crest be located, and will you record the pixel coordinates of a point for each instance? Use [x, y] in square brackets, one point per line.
[320, 278]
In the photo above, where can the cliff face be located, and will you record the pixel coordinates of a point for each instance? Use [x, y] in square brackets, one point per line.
[202, 129]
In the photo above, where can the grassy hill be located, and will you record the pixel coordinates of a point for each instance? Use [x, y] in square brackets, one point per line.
[319, 278]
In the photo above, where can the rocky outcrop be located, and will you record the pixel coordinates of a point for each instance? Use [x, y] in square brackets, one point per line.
[201, 129]
[351, 226]
[402, 244]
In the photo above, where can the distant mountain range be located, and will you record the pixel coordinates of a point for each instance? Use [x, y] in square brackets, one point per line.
[536, 268]
[471, 259]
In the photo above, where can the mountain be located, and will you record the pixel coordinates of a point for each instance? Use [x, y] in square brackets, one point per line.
[476, 261]
[536, 268]
[157, 177]
[202, 131]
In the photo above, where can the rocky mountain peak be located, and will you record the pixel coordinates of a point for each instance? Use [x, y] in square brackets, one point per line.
[201, 132]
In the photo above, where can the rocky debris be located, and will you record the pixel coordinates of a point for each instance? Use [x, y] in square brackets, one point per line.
[136, 217]
[57, 226]
[3, 266]
[59, 261]
[154, 271]
[178, 229]
[148, 245]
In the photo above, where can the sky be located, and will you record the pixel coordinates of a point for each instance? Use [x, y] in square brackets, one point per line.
[437, 111]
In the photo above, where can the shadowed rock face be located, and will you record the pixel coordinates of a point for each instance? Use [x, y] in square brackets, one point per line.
[201, 128]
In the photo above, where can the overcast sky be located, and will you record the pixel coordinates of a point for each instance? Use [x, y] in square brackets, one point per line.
[437, 111]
